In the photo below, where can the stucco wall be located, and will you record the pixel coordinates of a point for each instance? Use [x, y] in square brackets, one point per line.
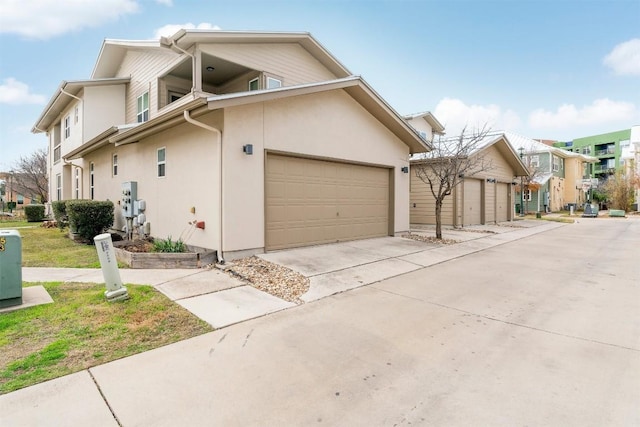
[328, 125]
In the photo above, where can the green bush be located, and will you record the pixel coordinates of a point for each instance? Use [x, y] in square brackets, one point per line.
[34, 213]
[60, 213]
[88, 218]
[168, 245]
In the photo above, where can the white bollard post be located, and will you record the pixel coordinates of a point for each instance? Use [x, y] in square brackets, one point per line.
[107, 256]
[571, 210]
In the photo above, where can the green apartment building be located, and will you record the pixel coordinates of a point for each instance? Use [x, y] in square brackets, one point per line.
[606, 147]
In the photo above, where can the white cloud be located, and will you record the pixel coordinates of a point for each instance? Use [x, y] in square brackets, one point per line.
[14, 92]
[42, 19]
[624, 59]
[165, 2]
[454, 114]
[171, 29]
[600, 111]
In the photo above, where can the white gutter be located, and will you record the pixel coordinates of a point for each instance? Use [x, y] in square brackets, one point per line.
[218, 134]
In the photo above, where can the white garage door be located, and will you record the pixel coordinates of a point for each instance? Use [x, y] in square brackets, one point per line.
[472, 202]
[502, 202]
[311, 202]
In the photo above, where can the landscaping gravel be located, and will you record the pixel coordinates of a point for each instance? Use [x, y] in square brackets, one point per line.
[274, 279]
[429, 239]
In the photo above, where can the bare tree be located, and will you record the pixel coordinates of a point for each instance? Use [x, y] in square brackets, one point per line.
[30, 176]
[445, 167]
[619, 190]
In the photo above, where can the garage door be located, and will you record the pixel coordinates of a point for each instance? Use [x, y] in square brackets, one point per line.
[502, 202]
[489, 202]
[311, 202]
[472, 202]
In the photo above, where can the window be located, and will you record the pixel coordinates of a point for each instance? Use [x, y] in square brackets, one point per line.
[20, 198]
[143, 107]
[556, 163]
[67, 127]
[173, 96]
[273, 83]
[58, 187]
[526, 195]
[534, 161]
[161, 162]
[423, 135]
[77, 183]
[76, 113]
[586, 150]
[56, 153]
[254, 84]
[91, 181]
[114, 164]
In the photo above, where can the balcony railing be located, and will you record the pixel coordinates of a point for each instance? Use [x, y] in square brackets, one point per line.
[605, 152]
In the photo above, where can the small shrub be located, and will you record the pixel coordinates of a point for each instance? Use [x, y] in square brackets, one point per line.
[34, 213]
[60, 213]
[168, 245]
[88, 218]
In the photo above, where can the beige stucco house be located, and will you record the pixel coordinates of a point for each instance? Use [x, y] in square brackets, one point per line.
[482, 198]
[239, 142]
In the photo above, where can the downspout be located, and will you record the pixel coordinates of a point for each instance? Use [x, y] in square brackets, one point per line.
[218, 134]
[193, 66]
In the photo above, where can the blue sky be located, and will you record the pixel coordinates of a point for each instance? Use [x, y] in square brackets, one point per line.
[553, 69]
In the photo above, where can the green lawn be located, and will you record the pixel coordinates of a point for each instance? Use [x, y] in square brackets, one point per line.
[50, 247]
[81, 329]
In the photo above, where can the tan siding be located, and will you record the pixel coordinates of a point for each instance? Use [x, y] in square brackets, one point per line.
[288, 60]
[500, 169]
[423, 205]
[143, 67]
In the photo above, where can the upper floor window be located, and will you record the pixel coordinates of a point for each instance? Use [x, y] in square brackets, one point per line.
[143, 107]
[556, 163]
[254, 84]
[534, 161]
[67, 127]
[173, 95]
[114, 164]
[162, 160]
[526, 195]
[56, 152]
[273, 83]
[586, 150]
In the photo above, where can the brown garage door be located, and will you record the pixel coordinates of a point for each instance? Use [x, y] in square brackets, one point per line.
[472, 202]
[489, 202]
[502, 202]
[310, 202]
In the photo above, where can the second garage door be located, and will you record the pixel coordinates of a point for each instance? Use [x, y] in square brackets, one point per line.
[311, 202]
[472, 202]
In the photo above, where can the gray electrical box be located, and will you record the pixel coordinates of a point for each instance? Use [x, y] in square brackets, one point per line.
[129, 194]
[10, 268]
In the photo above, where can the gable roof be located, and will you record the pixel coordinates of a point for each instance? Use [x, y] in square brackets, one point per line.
[63, 96]
[355, 86]
[499, 141]
[436, 126]
[113, 51]
[532, 146]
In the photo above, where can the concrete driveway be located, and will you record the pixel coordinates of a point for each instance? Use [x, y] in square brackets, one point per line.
[338, 267]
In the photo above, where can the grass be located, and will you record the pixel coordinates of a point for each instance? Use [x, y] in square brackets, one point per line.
[16, 223]
[81, 329]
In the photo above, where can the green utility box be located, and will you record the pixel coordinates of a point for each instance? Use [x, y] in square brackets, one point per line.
[10, 268]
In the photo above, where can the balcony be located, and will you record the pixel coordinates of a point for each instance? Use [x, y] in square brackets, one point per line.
[610, 151]
[603, 169]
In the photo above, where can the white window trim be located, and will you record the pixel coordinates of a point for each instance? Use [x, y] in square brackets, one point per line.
[526, 195]
[270, 79]
[174, 92]
[257, 79]
[140, 112]
[534, 161]
[161, 162]
[114, 165]
[91, 180]
[67, 127]
[556, 164]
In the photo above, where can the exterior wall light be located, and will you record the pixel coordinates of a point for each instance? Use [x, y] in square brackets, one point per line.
[405, 169]
[248, 149]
